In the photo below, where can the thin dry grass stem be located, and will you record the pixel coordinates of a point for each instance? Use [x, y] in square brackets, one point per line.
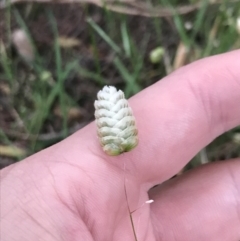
[2, 48]
[12, 151]
[203, 156]
[238, 25]
[130, 213]
[167, 62]
[181, 56]
[214, 30]
[236, 45]
[19, 121]
[131, 7]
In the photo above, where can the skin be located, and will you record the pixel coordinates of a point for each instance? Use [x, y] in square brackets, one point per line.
[74, 191]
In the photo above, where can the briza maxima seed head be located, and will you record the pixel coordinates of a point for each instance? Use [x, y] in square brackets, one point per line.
[116, 126]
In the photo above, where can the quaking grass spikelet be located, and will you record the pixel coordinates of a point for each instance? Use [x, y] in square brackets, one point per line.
[116, 127]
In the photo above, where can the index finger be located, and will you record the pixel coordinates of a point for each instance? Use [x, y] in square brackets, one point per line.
[176, 117]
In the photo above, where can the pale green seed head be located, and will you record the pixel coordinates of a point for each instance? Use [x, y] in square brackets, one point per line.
[116, 125]
[156, 55]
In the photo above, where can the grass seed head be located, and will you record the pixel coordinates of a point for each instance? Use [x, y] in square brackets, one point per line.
[116, 127]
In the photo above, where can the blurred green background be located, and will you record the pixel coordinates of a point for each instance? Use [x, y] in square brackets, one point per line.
[55, 57]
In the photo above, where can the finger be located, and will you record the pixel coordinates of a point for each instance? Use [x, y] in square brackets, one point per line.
[203, 204]
[176, 117]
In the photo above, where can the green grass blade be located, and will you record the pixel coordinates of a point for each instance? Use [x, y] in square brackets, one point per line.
[132, 86]
[108, 40]
[125, 39]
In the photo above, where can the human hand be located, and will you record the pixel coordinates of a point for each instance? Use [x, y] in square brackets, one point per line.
[74, 191]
